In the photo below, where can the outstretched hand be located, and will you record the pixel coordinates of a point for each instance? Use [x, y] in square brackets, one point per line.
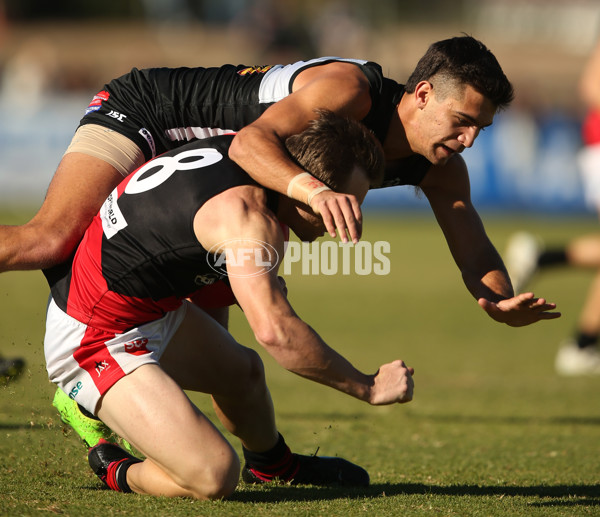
[393, 383]
[341, 211]
[523, 309]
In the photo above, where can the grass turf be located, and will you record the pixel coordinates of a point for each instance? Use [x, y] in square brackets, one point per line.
[492, 429]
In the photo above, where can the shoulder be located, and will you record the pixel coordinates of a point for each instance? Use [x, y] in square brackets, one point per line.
[452, 176]
[239, 212]
[348, 71]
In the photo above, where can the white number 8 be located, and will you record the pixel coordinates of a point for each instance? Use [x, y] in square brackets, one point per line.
[168, 165]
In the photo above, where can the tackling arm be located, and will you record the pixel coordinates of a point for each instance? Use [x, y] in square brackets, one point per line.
[484, 274]
[259, 147]
[78, 189]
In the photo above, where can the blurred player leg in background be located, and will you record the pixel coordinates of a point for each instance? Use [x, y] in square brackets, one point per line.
[526, 254]
[10, 368]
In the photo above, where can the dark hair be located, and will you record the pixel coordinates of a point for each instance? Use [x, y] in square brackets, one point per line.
[466, 61]
[332, 145]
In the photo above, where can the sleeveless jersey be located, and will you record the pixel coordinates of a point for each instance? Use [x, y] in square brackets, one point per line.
[162, 108]
[140, 256]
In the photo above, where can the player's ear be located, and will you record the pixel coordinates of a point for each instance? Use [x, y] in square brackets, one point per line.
[422, 93]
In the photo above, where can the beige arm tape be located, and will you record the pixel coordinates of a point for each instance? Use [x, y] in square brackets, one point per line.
[303, 187]
[108, 145]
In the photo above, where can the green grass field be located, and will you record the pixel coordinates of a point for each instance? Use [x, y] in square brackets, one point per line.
[492, 429]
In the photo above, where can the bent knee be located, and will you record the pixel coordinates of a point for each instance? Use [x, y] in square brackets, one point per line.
[255, 373]
[215, 481]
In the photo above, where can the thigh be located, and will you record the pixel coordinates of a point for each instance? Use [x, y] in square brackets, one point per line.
[150, 410]
[203, 356]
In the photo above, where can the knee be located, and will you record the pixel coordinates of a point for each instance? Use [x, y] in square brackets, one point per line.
[254, 378]
[215, 481]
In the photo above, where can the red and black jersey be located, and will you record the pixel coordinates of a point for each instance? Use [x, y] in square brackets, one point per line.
[162, 108]
[140, 256]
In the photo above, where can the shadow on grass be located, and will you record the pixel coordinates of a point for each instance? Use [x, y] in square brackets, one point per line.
[557, 495]
[460, 419]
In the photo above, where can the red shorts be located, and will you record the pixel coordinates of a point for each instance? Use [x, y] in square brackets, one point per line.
[85, 362]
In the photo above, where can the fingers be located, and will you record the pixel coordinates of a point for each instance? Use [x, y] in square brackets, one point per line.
[550, 315]
[339, 212]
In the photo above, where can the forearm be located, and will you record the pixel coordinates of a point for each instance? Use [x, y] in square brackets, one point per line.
[263, 156]
[27, 247]
[300, 350]
[491, 282]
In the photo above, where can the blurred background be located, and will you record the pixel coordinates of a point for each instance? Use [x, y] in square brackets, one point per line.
[54, 56]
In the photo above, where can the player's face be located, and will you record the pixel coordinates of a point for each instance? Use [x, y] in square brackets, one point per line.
[310, 226]
[448, 126]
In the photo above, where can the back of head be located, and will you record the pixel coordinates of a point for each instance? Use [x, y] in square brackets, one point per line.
[332, 146]
[464, 61]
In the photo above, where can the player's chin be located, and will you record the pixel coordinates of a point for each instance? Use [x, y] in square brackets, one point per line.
[442, 156]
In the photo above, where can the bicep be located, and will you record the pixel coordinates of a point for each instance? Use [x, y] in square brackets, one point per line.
[337, 87]
[448, 192]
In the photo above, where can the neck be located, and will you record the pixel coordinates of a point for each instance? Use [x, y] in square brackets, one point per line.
[396, 143]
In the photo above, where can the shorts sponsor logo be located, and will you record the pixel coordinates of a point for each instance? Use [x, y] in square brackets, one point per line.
[102, 366]
[75, 390]
[148, 137]
[260, 257]
[137, 347]
[254, 70]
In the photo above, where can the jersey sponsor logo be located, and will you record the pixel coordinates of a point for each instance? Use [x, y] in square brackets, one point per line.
[242, 257]
[137, 347]
[202, 280]
[97, 101]
[148, 137]
[75, 390]
[111, 216]
[254, 70]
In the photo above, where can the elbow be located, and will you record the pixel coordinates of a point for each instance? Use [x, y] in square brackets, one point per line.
[237, 149]
[273, 338]
[268, 337]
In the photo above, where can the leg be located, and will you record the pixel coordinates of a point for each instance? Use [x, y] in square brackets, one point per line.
[204, 357]
[584, 251]
[186, 455]
[589, 319]
[581, 355]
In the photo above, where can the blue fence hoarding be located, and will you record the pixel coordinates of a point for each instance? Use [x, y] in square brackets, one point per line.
[520, 163]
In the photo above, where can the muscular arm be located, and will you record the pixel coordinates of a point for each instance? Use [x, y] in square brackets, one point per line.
[78, 189]
[484, 274]
[259, 147]
[448, 192]
[291, 342]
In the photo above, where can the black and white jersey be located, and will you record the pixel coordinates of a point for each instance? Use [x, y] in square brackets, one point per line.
[162, 108]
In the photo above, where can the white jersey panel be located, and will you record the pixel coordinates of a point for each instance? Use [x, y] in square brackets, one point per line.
[179, 134]
[276, 83]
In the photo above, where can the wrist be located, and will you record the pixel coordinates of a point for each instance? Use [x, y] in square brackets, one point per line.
[304, 187]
